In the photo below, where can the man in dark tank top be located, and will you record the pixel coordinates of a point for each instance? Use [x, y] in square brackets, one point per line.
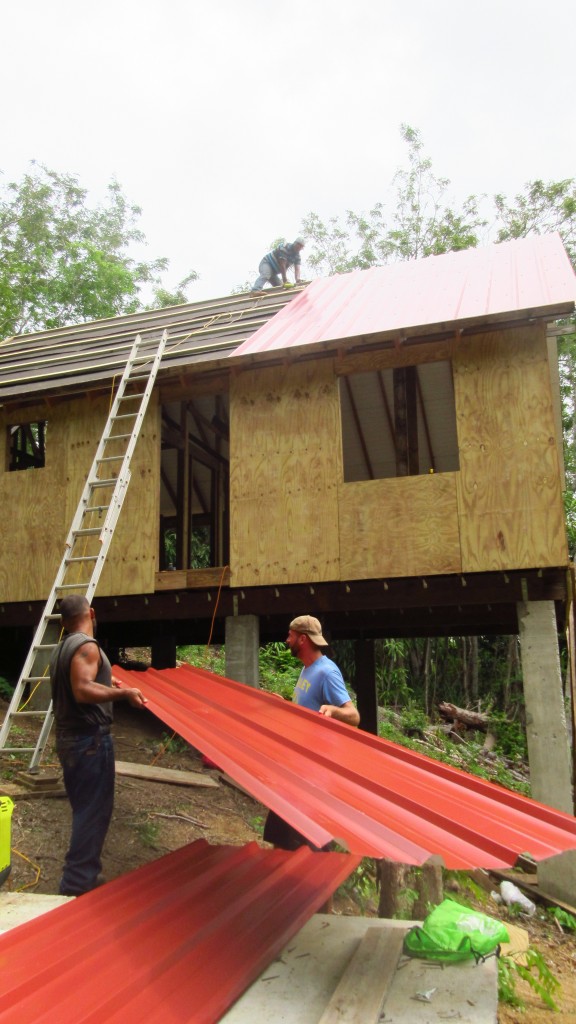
[83, 693]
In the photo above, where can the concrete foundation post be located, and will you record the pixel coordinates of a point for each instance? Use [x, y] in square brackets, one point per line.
[242, 646]
[547, 734]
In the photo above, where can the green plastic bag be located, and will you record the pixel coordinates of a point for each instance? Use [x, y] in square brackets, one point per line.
[452, 933]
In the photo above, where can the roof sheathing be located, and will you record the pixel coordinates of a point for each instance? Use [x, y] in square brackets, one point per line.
[84, 356]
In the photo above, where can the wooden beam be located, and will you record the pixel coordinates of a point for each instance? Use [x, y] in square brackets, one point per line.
[153, 773]
[362, 989]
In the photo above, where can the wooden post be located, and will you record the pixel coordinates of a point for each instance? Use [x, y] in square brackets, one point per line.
[365, 685]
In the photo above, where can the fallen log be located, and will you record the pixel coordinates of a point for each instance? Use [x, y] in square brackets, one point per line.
[471, 719]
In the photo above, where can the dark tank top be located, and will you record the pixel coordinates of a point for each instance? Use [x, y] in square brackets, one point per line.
[72, 717]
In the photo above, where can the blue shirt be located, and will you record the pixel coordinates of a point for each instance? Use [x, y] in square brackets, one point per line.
[283, 252]
[321, 683]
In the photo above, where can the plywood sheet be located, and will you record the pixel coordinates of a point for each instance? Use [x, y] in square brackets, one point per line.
[285, 461]
[399, 527]
[32, 503]
[43, 503]
[509, 486]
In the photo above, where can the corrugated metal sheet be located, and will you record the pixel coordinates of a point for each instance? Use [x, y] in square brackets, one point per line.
[508, 281]
[331, 781]
[201, 332]
[174, 942]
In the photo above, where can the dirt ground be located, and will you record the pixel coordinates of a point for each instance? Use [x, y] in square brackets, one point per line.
[152, 818]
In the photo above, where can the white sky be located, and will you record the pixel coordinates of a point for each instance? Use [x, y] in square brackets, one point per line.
[228, 121]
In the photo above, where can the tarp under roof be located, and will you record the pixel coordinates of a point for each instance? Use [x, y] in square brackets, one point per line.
[501, 283]
[331, 781]
[174, 942]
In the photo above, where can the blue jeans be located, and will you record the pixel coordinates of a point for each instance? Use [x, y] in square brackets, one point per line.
[266, 274]
[88, 765]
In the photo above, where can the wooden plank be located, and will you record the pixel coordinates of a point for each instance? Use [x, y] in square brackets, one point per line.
[152, 773]
[362, 989]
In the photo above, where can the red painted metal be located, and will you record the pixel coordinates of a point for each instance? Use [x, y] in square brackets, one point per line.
[528, 275]
[174, 942]
[331, 781]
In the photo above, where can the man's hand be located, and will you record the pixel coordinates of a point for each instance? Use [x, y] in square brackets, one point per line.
[346, 713]
[135, 697]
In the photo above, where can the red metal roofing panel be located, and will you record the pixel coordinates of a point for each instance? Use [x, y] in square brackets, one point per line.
[526, 275]
[331, 781]
[173, 942]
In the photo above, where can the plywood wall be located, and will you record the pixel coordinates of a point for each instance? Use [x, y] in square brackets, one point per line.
[295, 520]
[399, 527]
[286, 461]
[509, 485]
[38, 504]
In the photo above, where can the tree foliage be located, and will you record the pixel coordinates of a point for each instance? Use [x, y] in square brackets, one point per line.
[420, 223]
[419, 220]
[64, 262]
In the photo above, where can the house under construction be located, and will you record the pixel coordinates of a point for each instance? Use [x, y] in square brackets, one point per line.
[382, 449]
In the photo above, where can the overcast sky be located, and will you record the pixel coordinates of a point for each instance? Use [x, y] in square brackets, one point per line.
[228, 121]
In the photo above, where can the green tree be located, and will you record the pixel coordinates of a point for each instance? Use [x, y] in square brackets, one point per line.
[420, 222]
[540, 207]
[64, 262]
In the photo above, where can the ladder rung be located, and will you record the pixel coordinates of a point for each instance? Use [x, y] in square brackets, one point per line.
[33, 679]
[116, 437]
[104, 483]
[126, 416]
[29, 714]
[46, 647]
[131, 398]
[81, 558]
[91, 531]
[72, 586]
[110, 458]
[96, 508]
[138, 376]
[16, 750]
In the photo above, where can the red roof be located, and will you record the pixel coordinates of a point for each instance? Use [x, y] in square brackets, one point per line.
[174, 942]
[507, 281]
[332, 781]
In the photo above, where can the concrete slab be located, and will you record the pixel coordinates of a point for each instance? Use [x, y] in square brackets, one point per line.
[18, 907]
[296, 987]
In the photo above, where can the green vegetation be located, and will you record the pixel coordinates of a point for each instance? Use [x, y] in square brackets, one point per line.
[148, 832]
[6, 689]
[563, 917]
[170, 743]
[533, 969]
[65, 262]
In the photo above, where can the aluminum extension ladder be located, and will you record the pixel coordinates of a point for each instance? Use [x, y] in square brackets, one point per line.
[89, 538]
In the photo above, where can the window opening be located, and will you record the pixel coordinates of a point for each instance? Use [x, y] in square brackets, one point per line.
[194, 483]
[27, 445]
[399, 422]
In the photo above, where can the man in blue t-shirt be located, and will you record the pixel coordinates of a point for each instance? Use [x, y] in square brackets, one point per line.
[274, 265]
[321, 688]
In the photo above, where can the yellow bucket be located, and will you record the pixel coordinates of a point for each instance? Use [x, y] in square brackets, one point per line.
[6, 808]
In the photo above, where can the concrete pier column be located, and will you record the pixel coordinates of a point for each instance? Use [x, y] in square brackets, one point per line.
[547, 733]
[242, 645]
